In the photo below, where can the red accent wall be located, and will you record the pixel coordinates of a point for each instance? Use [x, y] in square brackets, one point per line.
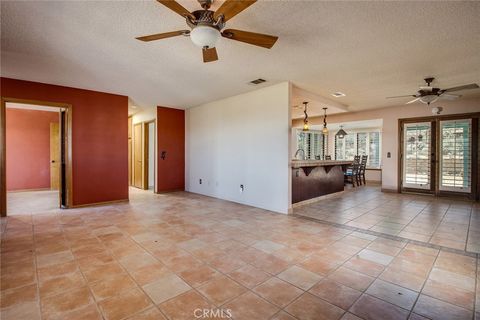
[99, 130]
[28, 148]
[170, 138]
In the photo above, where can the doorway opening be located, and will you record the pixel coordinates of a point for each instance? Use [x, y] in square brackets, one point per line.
[439, 155]
[35, 156]
[143, 157]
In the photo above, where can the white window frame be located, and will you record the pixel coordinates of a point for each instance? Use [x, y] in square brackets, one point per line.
[318, 132]
[354, 132]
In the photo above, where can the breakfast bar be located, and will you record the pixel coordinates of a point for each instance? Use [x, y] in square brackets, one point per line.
[316, 178]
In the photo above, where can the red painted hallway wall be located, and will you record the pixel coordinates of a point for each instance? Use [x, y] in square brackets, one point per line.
[99, 130]
[28, 148]
[171, 138]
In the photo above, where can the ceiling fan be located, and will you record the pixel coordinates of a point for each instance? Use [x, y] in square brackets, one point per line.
[207, 26]
[428, 94]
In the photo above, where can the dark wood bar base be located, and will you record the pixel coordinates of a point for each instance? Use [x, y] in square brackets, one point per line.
[314, 181]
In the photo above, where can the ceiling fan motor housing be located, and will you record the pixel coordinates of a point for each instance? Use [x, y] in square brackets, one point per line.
[205, 18]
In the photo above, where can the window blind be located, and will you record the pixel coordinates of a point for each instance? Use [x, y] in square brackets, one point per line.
[416, 155]
[455, 157]
[312, 142]
[360, 143]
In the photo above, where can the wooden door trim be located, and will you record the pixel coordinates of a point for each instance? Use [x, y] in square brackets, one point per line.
[3, 150]
[435, 120]
[134, 156]
[55, 126]
[130, 151]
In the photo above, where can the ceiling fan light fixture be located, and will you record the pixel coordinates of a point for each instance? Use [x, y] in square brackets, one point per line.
[429, 98]
[205, 36]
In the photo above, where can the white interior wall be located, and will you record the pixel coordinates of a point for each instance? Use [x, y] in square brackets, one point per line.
[145, 115]
[151, 155]
[242, 140]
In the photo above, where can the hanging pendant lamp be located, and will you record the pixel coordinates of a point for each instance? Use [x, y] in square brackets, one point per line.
[341, 133]
[325, 129]
[305, 120]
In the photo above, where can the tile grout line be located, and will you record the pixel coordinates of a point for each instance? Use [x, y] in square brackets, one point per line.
[130, 276]
[424, 283]
[81, 272]
[391, 237]
[475, 296]
[468, 230]
[36, 268]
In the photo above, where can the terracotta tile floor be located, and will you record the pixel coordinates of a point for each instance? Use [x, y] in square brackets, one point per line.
[438, 221]
[180, 255]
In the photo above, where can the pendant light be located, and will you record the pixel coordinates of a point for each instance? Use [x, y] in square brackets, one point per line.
[325, 129]
[341, 133]
[305, 120]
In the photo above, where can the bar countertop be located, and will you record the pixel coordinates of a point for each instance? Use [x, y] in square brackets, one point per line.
[318, 163]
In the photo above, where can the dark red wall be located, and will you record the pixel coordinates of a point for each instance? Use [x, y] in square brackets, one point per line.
[28, 148]
[99, 130]
[171, 138]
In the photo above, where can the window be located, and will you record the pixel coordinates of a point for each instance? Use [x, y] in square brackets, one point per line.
[312, 142]
[360, 143]
[416, 155]
[455, 148]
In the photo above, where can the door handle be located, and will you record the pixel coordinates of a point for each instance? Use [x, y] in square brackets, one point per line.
[53, 161]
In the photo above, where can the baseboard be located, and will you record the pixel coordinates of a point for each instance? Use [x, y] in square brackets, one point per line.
[30, 190]
[389, 190]
[316, 199]
[95, 204]
[169, 191]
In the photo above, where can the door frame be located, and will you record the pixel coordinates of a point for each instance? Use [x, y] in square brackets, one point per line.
[475, 161]
[67, 151]
[136, 140]
[145, 154]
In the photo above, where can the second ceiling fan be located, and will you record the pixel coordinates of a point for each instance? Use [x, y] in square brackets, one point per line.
[207, 26]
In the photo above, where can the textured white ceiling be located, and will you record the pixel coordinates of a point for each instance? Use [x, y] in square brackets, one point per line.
[368, 50]
[315, 104]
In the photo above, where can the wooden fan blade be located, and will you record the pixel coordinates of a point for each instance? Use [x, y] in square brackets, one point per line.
[209, 55]
[409, 95]
[164, 35]
[177, 7]
[230, 8]
[465, 87]
[257, 39]
[412, 101]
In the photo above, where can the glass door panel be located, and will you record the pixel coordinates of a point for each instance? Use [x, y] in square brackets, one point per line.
[417, 155]
[455, 157]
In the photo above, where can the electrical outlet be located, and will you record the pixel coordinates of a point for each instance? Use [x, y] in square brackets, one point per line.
[200, 181]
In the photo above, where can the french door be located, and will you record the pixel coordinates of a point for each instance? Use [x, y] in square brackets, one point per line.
[437, 155]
